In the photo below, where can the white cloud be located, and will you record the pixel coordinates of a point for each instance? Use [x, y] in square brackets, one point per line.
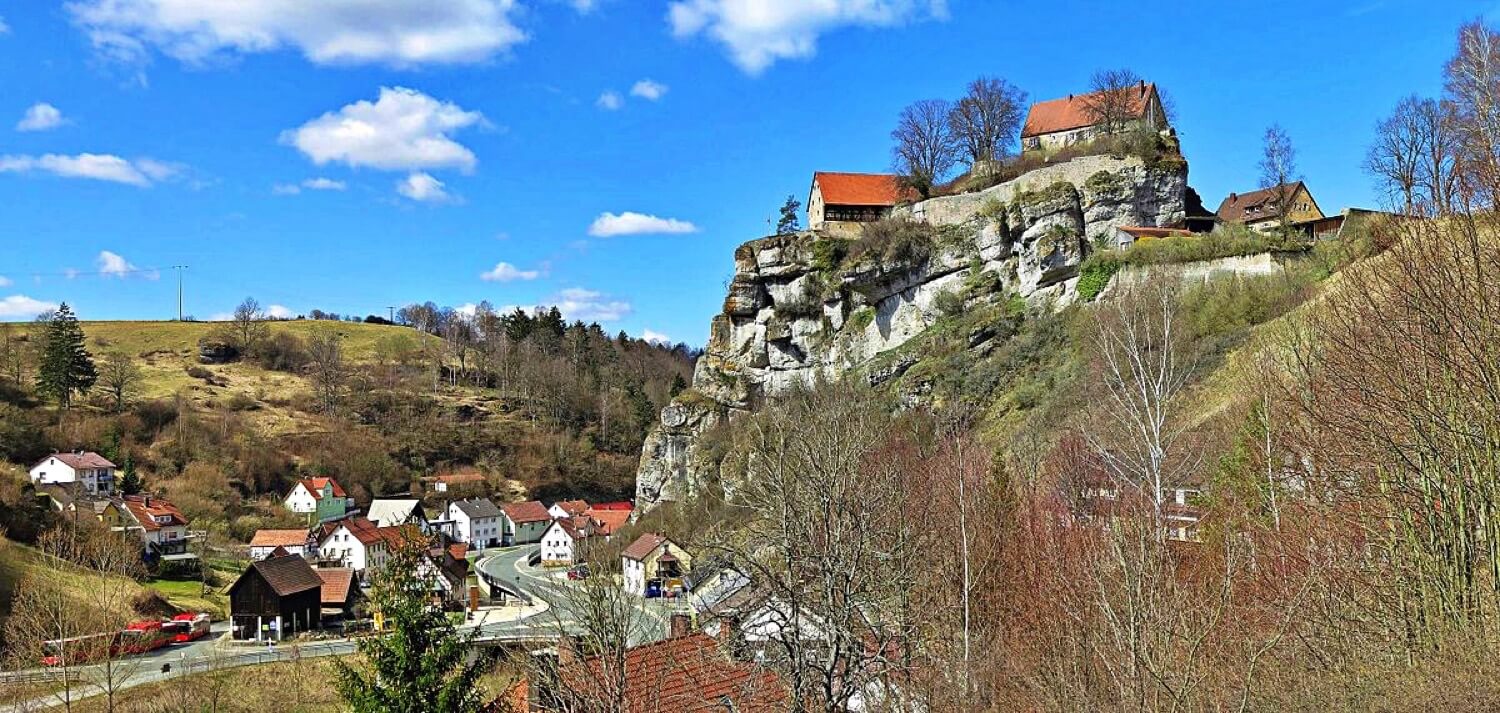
[40, 117]
[648, 90]
[655, 337]
[589, 306]
[630, 223]
[312, 184]
[5, 281]
[23, 307]
[114, 264]
[506, 272]
[401, 130]
[99, 167]
[401, 33]
[279, 312]
[424, 188]
[610, 101]
[758, 32]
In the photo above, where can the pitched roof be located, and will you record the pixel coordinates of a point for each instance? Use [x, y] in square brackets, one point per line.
[145, 509]
[644, 546]
[1255, 205]
[81, 459]
[529, 511]
[393, 511]
[607, 521]
[315, 486]
[571, 527]
[572, 507]
[337, 581]
[287, 575]
[689, 673]
[1138, 231]
[279, 538]
[1071, 112]
[477, 507]
[363, 530]
[859, 188]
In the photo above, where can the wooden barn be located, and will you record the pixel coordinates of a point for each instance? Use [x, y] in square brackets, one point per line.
[275, 598]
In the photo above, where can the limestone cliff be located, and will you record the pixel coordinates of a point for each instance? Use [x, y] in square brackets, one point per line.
[807, 304]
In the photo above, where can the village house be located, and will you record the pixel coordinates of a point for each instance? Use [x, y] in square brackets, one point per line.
[688, 671]
[355, 543]
[1058, 123]
[443, 483]
[274, 598]
[163, 528]
[76, 507]
[322, 497]
[523, 523]
[840, 202]
[265, 542]
[339, 594]
[389, 512]
[606, 518]
[562, 542]
[568, 508]
[653, 565]
[91, 471]
[475, 522]
[1260, 209]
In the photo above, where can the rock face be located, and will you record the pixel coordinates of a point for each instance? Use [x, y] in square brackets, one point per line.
[804, 305]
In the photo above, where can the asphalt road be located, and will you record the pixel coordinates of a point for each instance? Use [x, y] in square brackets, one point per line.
[554, 588]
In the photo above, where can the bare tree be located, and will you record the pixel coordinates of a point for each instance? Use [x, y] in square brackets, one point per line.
[330, 374]
[13, 354]
[1473, 86]
[1414, 157]
[1278, 172]
[248, 325]
[926, 149]
[120, 378]
[1113, 100]
[1144, 368]
[987, 119]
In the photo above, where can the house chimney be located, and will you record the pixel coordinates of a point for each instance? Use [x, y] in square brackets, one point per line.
[682, 625]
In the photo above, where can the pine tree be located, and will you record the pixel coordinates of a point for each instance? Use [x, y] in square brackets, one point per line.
[678, 384]
[66, 366]
[419, 664]
[789, 222]
[130, 481]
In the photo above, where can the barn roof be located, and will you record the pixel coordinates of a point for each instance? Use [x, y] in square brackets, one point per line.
[286, 575]
[877, 189]
[1071, 112]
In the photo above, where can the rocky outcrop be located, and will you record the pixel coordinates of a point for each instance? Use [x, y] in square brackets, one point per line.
[804, 305]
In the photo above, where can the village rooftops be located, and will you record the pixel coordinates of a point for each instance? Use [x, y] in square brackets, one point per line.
[81, 459]
[860, 189]
[573, 508]
[154, 513]
[279, 538]
[608, 519]
[477, 507]
[529, 511]
[689, 673]
[336, 584]
[644, 546]
[288, 575]
[315, 486]
[394, 511]
[1072, 111]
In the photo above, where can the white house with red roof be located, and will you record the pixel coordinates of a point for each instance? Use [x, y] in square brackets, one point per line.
[163, 528]
[653, 561]
[1058, 123]
[309, 492]
[563, 540]
[843, 200]
[89, 470]
[524, 523]
[266, 542]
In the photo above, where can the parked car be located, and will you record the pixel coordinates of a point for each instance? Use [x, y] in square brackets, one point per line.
[578, 571]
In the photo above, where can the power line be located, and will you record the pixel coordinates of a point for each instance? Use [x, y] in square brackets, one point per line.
[179, 269]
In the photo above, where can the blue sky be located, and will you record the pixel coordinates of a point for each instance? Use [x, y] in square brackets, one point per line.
[603, 155]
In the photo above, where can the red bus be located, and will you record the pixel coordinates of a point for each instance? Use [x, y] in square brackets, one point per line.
[76, 650]
[142, 636]
[186, 627]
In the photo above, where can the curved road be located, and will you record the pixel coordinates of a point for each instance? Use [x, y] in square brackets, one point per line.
[511, 566]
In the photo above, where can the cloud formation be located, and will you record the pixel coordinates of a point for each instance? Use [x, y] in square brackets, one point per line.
[23, 307]
[401, 33]
[506, 272]
[98, 167]
[655, 337]
[608, 225]
[757, 33]
[422, 187]
[113, 264]
[577, 303]
[648, 90]
[40, 117]
[402, 130]
[610, 101]
[311, 184]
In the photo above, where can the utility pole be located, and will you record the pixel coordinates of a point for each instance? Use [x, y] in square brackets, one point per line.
[179, 269]
[392, 310]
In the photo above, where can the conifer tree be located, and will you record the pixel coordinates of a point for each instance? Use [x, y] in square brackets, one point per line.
[789, 222]
[130, 481]
[419, 664]
[66, 366]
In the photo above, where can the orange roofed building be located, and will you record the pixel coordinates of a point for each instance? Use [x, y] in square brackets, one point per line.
[1062, 122]
[686, 673]
[839, 199]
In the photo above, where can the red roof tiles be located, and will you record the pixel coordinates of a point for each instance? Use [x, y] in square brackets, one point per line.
[279, 538]
[337, 581]
[147, 509]
[1255, 205]
[879, 189]
[644, 546]
[315, 486]
[529, 511]
[1071, 112]
[687, 674]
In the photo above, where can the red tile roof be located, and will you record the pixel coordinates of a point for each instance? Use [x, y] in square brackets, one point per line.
[315, 486]
[529, 511]
[687, 674]
[644, 545]
[1255, 205]
[337, 581]
[607, 521]
[859, 188]
[573, 507]
[625, 505]
[1071, 112]
[145, 509]
[279, 538]
[82, 459]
